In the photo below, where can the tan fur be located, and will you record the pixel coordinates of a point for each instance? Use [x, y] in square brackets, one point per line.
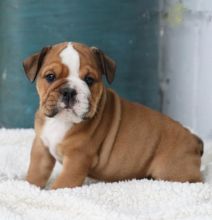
[119, 140]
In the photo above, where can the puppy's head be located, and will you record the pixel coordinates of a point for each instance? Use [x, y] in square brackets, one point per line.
[69, 79]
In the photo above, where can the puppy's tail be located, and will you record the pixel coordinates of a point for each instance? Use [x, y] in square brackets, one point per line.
[201, 144]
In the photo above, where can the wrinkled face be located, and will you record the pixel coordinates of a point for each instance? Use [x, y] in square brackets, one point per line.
[69, 80]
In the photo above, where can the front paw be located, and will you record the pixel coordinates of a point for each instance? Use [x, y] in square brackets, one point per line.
[34, 181]
[58, 184]
[61, 183]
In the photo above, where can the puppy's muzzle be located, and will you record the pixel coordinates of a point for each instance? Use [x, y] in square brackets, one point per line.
[68, 96]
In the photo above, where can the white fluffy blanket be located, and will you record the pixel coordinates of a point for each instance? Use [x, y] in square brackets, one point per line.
[136, 199]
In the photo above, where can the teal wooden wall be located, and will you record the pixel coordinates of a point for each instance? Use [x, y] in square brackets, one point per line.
[126, 30]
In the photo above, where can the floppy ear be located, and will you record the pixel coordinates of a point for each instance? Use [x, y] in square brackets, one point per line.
[107, 65]
[33, 64]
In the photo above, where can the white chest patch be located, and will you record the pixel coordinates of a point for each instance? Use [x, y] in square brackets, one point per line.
[54, 131]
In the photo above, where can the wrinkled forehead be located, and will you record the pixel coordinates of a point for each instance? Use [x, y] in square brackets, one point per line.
[78, 53]
[74, 55]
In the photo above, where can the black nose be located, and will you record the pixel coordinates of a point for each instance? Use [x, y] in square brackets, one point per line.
[68, 95]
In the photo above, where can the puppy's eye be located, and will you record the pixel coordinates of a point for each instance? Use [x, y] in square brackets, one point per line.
[89, 80]
[50, 77]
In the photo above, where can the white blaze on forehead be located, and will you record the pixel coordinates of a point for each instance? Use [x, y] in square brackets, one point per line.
[70, 57]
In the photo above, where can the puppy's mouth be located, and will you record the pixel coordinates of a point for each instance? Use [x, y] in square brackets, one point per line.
[68, 107]
[61, 107]
[72, 101]
[74, 109]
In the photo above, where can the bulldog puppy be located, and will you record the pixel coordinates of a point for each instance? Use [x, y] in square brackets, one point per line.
[93, 132]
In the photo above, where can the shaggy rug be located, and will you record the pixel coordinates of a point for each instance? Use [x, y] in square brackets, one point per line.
[135, 199]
